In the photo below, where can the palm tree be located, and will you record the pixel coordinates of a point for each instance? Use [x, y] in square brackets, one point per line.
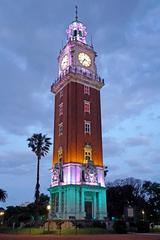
[3, 195]
[40, 145]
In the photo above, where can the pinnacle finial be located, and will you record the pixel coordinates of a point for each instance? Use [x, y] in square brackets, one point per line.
[76, 13]
[91, 41]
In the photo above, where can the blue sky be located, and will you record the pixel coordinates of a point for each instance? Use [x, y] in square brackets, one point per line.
[126, 36]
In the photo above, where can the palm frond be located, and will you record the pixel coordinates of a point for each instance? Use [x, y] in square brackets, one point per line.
[3, 195]
[39, 144]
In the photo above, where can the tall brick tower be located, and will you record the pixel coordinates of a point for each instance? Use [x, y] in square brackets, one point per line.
[77, 188]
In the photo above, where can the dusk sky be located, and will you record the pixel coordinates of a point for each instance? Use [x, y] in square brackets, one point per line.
[126, 37]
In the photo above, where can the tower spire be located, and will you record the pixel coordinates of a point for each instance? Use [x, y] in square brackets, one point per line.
[76, 7]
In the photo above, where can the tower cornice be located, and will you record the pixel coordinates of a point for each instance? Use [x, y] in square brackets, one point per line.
[79, 75]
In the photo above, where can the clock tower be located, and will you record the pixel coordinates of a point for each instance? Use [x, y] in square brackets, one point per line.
[77, 188]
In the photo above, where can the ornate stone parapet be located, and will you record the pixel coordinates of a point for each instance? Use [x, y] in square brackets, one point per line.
[74, 173]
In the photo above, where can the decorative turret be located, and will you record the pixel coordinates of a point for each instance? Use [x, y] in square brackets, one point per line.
[76, 31]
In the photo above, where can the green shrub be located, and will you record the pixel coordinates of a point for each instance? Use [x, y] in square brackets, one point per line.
[143, 227]
[99, 224]
[120, 227]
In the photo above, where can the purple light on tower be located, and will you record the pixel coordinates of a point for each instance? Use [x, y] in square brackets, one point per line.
[72, 175]
[76, 31]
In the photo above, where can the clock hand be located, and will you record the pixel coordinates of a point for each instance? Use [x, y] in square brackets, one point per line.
[85, 60]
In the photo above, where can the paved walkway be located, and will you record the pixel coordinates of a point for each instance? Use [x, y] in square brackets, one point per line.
[83, 237]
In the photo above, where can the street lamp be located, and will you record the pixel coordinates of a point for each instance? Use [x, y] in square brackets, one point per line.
[1, 213]
[143, 214]
[48, 208]
[1, 216]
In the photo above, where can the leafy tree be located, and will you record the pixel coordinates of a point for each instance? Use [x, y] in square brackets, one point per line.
[143, 196]
[152, 194]
[3, 195]
[26, 214]
[40, 145]
[118, 197]
[123, 193]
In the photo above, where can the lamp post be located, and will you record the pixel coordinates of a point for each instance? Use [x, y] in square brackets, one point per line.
[1, 216]
[143, 215]
[48, 208]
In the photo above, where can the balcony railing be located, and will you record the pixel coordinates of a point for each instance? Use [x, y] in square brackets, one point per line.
[80, 71]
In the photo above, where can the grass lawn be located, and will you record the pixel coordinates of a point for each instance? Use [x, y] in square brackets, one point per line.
[42, 231]
[38, 231]
[156, 229]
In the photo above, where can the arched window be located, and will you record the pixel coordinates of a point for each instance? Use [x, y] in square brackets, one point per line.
[80, 33]
[87, 153]
[60, 163]
[60, 154]
[75, 33]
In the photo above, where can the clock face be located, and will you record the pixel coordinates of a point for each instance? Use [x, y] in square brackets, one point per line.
[64, 62]
[84, 59]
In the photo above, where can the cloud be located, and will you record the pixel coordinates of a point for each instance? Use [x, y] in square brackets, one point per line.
[20, 162]
[112, 147]
[18, 175]
[156, 160]
[22, 100]
[138, 141]
[142, 165]
[3, 141]
[27, 47]
[131, 71]
[154, 156]
[113, 168]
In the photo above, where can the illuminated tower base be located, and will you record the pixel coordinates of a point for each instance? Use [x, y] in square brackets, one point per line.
[79, 202]
[79, 193]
